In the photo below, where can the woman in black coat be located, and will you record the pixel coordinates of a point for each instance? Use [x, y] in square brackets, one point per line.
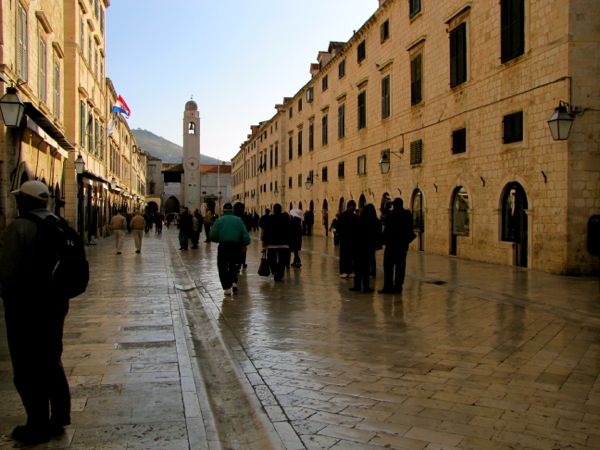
[369, 229]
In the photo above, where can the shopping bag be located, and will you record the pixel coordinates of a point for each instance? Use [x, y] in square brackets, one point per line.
[263, 268]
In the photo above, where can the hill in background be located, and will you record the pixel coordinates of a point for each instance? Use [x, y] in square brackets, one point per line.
[166, 150]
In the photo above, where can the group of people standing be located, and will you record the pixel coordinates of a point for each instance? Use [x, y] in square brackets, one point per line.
[361, 233]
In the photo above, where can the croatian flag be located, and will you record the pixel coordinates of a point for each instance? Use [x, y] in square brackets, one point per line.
[120, 106]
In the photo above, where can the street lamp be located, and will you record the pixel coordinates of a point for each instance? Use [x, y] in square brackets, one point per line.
[561, 121]
[79, 168]
[12, 108]
[385, 162]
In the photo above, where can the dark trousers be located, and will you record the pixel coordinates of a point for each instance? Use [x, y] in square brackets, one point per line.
[278, 258]
[362, 268]
[35, 345]
[346, 257]
[228, 258]
[394, 268]
[184, 238]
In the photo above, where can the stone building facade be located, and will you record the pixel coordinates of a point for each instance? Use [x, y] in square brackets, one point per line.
[446, 104]
[53, 55]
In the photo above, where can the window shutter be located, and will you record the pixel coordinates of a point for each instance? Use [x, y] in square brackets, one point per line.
[416, 152]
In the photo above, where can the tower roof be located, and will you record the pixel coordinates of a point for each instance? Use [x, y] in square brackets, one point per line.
[191, 106]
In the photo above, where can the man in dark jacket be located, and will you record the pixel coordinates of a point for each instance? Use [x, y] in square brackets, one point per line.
[231, 234]
[185, 225]
[397, 234]
[276, 241]
[35, 319]
[347, 229]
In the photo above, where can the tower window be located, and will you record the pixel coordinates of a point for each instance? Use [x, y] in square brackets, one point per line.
[191, 128]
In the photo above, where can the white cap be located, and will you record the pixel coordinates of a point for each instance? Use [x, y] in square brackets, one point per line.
[35, 189]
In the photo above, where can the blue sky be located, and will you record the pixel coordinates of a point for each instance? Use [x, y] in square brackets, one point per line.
[236, 58]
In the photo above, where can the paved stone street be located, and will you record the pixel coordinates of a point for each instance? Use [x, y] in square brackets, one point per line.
[469, 356]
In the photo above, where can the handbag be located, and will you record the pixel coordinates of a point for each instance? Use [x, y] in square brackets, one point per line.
[263, 268]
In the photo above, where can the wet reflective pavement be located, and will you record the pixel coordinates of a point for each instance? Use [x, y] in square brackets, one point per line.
[470, 355]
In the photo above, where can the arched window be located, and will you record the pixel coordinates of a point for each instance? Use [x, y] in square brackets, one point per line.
[191, 128]
[417, 210]
[514, 204]
[460, 212]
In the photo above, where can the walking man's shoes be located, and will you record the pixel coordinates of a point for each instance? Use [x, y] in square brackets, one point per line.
[30, 435]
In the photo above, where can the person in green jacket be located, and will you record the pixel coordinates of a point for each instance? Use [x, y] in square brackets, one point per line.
[231, 234]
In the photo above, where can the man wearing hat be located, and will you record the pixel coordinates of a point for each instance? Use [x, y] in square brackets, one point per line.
[231, 234]
[34, 321]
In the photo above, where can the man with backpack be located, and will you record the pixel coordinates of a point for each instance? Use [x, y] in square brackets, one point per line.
[39, 255]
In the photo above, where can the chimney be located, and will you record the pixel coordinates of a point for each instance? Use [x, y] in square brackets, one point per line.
[314, 69]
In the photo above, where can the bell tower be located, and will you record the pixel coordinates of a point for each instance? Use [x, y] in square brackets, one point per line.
[191, 156]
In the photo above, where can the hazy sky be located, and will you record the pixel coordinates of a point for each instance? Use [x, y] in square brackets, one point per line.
[236, 58]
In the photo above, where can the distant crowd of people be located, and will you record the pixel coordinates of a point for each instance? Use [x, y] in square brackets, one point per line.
[358, 231]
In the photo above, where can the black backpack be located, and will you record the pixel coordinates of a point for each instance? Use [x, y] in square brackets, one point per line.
[65, 263]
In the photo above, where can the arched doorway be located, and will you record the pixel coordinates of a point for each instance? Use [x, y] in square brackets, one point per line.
[418, 217]
[341, 205]
[514, 221]
[172, 205]
[460, 223]
[325, 212]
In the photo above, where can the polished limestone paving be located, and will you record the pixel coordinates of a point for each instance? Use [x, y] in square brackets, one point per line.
[470, 355]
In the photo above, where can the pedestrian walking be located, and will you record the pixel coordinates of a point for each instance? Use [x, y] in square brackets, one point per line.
[238, 210]
[209, 217]
[276, 240]
[296, 233]
[138, 228]
[334, 228]
[326, 222]
[347, 230]
[35, 316]
[118, 225]
[397, 234]
[185, 228]
[231, 234]
[158, 222]
[369, 230]
[309, 220]
[196, 228]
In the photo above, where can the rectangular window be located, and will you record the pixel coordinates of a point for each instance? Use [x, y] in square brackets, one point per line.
[414, 7]
[416, 152]
[299, 143]
[361, 51]
[310, 95]
[341, 169]
[299, 180]
[42, 70]
[324, 83]
[324, 129]
[56, 88]
[416, 80]
[459, 141]
[299, 105]
[341, 121]
[362, 110]
[342, 69]
[276, 154]
[458, 55]
[512, 33]
[22, 51]
[385, 97]
[311, 137]
[290, 148]
[82, 117]
[513, 127]
[271, 158]
[384, 31]
[291, 113]
[361, 165]
[324, 174]
[290, 182]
